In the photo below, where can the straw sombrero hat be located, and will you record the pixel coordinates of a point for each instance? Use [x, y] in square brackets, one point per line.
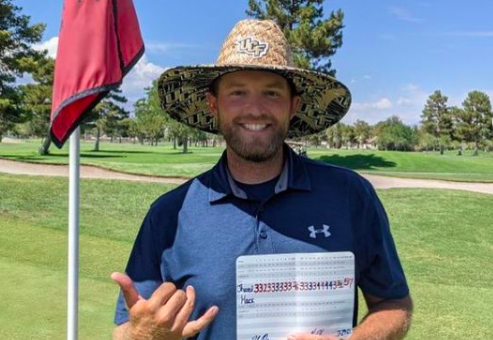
[254, 45]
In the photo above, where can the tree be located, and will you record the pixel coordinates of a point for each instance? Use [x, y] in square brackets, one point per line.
[16, 39]
[334, 135]
[128, 128]
[178, 132]
[395, 135]
[150, 118]
[317, 138]
[362, 131]
[314, 40]
[106, 115]
[347, 135]
[36, 101]
[461, 130]
[112, 121]
[150, 123]
[436, 119]
[474, 121]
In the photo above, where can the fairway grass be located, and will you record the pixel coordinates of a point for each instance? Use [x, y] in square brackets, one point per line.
[421, 165]
[444, 238]
[163, 160]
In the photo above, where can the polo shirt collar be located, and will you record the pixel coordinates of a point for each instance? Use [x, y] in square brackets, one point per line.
[294, 175]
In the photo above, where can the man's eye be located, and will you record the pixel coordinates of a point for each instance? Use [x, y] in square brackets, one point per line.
[272, 94]
[237, 93]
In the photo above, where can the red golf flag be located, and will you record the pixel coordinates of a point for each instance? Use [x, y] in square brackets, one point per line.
[99, 43]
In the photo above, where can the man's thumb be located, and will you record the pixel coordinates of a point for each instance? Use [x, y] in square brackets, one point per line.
[127, 287]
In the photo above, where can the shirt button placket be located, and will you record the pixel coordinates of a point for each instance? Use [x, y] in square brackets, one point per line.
[262, 233]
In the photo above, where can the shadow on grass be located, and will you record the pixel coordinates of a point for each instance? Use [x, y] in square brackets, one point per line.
[99, 155]
[123, 152]
[31, 158]
[358, 162]
[178, 151]
[26, 158]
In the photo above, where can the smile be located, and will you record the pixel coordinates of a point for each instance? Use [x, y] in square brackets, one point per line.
[254, 127]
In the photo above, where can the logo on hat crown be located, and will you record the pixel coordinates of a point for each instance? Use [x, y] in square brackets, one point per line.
[255, 42]
[252, 46]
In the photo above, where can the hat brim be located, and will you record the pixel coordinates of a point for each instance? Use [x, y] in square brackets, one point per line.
[182, 92]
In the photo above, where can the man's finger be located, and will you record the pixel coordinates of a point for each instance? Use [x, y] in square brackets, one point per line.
[166, 314]
[185, 312]
[193, 327]
[161, 295]
[130, 293]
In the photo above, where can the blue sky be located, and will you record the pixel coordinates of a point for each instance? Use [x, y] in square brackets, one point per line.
[394, 53]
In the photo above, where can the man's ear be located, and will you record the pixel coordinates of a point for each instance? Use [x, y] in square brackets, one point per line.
[295, 105]
[212, 103]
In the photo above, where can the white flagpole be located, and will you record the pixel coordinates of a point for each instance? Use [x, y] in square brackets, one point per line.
[73, 236]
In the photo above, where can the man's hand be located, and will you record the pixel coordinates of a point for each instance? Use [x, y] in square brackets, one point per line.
[307, 336]
[164, 316]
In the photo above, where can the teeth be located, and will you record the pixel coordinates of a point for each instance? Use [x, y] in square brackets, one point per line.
[255, 127]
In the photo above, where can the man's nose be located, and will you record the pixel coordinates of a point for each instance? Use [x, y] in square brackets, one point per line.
[255, 105]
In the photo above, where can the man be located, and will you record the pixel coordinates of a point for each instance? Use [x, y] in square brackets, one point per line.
[261, 198]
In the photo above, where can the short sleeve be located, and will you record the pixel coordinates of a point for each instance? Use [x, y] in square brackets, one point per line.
[143, 267]
[382, 275]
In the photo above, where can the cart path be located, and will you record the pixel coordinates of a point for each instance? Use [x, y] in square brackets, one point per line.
[379, 182]
[86, 171]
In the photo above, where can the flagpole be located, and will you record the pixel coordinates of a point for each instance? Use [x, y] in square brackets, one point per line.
[73, 236]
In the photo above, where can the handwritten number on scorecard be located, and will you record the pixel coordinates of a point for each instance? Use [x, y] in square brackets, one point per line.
[344, 332]
[272, 287]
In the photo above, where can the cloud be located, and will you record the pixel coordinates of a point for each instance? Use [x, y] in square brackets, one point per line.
[50, 45]
[381, 104]
[357, 79]
[402, 101]
[411, 88]
[411, 102]
[141, 76]
[407, 103]
[404, 14]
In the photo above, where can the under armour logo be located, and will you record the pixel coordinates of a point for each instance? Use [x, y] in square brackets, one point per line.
[252, 46]
[314, 232]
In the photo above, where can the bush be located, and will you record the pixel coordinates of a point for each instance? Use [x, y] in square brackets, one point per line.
[398, 137]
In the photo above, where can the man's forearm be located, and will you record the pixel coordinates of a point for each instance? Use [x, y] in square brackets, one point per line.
[387, 320]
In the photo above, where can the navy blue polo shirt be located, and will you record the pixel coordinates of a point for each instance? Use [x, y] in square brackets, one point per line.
[193, 234]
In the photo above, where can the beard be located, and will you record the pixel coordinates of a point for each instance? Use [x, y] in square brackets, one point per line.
[253, 150]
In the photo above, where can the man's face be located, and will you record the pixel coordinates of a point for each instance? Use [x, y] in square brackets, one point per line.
[253, 109]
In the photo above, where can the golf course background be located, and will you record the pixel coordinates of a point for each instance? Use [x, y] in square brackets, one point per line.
[163, 160]
[445, 237]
